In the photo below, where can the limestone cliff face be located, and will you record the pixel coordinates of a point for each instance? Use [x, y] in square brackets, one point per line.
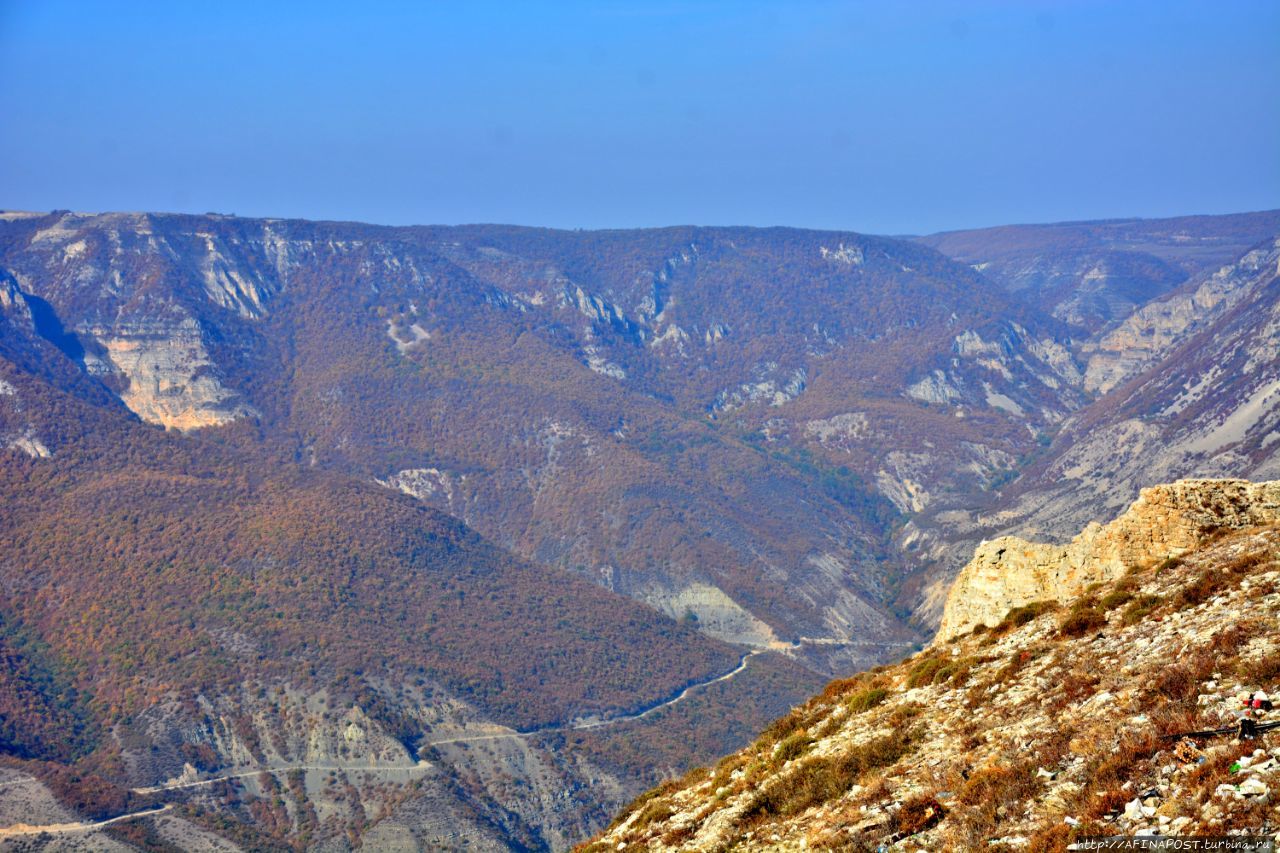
[142, 303]
[1165, 521]
[168, 372]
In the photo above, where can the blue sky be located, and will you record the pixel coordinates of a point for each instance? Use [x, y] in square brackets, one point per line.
[885, 117]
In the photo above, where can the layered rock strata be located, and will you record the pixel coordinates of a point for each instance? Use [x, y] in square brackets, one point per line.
[1165, 521]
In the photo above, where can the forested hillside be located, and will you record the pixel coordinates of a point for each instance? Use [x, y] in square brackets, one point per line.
[321, 531]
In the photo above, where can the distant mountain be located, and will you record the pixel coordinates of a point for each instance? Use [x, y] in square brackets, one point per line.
[1093, 274]
[723, 423]
[1203, 400]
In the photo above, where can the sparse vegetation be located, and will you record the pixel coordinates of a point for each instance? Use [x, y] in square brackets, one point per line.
[916, 815]
[823, 778]
[1140, 608]
[1069, 724]
[1084, 616]
[865, 700]
[1019, 616]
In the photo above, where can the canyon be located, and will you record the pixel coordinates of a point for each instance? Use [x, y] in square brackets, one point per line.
[405, 536]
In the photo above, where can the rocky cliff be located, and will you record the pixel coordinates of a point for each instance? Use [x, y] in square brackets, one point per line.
[1164, 522]
[1062, 721]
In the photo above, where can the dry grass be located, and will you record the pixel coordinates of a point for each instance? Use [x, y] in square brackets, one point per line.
[917, 814]
[976, 817]
[1019, 616]
[1263, 670]
[1109, 770]
[1140, 608]
[1083, 617]
[1220, 578]
[924, 671]
[792, 746]
[825, 778]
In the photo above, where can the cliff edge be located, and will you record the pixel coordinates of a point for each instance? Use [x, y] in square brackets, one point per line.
[1165, 521]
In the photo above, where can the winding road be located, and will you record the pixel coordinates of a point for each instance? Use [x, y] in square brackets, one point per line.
[610, 721]
[422, 765]
[88, 826]
[283, 768]
[20, 829]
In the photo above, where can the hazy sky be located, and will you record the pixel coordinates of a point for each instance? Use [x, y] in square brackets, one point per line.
[888, 117]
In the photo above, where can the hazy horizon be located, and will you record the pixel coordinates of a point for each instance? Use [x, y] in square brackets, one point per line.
[528, 225]
[865, 117]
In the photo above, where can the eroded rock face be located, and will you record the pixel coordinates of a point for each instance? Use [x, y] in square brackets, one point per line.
[1165, 521]
[169, 378]
[1156, 328]
[713, 612]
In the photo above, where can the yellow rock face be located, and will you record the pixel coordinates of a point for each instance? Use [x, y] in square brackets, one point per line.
[168, 379]
[1165, 521]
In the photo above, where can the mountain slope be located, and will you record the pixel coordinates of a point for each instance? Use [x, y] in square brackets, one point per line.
[218, 594]
[202, 602]
[1061, 721]
[1206, 405]
[725, 424]
[1093, 274]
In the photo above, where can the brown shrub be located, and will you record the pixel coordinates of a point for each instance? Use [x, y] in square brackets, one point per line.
[1076, 687]
[1180, 682]
[923, 672]
[679, 835]
[1019, 616]
[843, 686]
[916, 815]
[1229, 641]
[905, 711]
[782, 727]
[1263, 670]
[1200, 590]
[985, 791]
[1122, 594]
[977, 695]
[1084, 616]
[1130, 759]
[655, 812]
[792, 746]
[957, 672]
[1140, 608]
[1054, 839]
[985, 784]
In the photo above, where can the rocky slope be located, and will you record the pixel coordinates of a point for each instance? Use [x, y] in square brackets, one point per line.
[1206, 406]
[1061, 721]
